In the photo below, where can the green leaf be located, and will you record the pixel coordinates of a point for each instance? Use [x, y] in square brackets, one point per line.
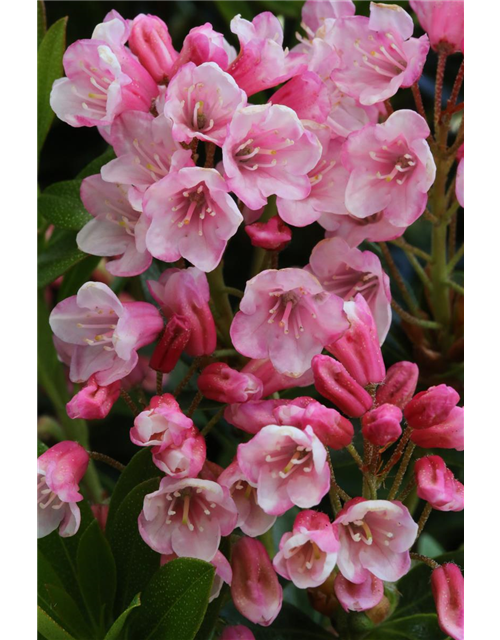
[95, 166]
[118, 625]
[50, 68]
[207, 628]
[135, 561]
[58, 258]
[139, 469]
[230, 8]
[61, 205]
[429, 546]
[175, 601]
[67, 612]
[291, 624]
[77, 276]
[46, 576]
[41, 21]
[42, 448]
[288, 9]
[96, 573]
[423, 626]
[49, 627]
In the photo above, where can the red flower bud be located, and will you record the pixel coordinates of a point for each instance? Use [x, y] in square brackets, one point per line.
[221, 383]
[171, 345]
[272, 235]
[447, 584]
[399, 384]
[152, 44]
[382, 425]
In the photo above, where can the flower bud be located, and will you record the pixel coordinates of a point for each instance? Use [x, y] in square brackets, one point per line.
[152, 44]
[272, 379]
[399, 384]
[221, 383]
[359, 349]
[254, 415]
[255, 589]
[447, 584]
[443, 21]
[358, 597]
[171, 345]
[448, 434]
[323, 598]
[239, 632]
[431, 407]
[334, 383]
[272, 235]
[382, 425]
[436, 484]
[93, 402]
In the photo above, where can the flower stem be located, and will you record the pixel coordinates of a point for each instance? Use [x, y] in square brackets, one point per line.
[159, 383]
[129, 402]
[101, 457]
[438, 96]
[194, 404]
[428, 561]
[407, 317]
[401, 471]
[223, 310]
[190, 373]
[333, 493]
[213, 421]
[424, 517]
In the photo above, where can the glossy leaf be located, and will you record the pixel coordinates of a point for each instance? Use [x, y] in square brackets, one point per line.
[119, 624]
[175, 601]
[50, 629]
[423, 626]
[77, 276]
[68, 612]
[41, 21]
[61, 205]
[59, 256]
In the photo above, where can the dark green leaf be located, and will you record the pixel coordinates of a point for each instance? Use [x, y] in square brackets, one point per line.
[139, 469]
[46, 576]
[135, 561]
[96, 573]
[41, 21]
[291, 624]
[118, 625]
[49, 627]
[77, 276]
[95, 166]
[429, 546]
[175, 601]
[50, 68]
[61, 205]
[288, 9]
[230, 8]
[207, 628]
[423, 626]
[67, 612]
[59, 256]
[42, 448]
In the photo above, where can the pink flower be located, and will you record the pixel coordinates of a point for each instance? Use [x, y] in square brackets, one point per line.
[437, 485]
[219, 382]
[252, 416]
[308, 553]
[146, 152]
[105, 334]
[359, 349]
[328, 181]
[185, 293]
[447, 584]
[161, 425]
[152, 44]
[192, 216]
[347, 114]
[307, 95]
[185, 460]
[238, 632]
[116, 230]
[443, 21]
[252, 520]
[333, 382]
[459, 188]
[375, 228]
[255, 589]
[272, 379]
[287, 465]
[262, 63]
[399, 384]
[273, 235]
[391, 168]
[201, 101]
[287, 316]
[268, 151]
[60, 470]
[375, 537]
[103, 80]
[187, 517]
[315, 12]
[382, 425]
[223, 572]
[203, 44]
[348, 271]
[358, 597]
[378, 56]
[172, 343]
[93, 402]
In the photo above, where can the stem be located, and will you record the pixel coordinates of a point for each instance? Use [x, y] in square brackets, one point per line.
[209, 154]
[401, 471]
[234, 292]
[452, 236]
[190, 373]
[406, 246]
[424, 517]
[428, 561]
[417, 96]
[438, 96]
[159, 383]
[129, 402]
[225, 353]
[457, 85]
[333, 493]
[408, 489]
[389, 107]
[439, 275]
[194, 404]
[221, 302]
[259, 254]
[101, 457]
[213, 421]
[456, 287]
[398, 452]
[407, 317]
[398, 277]
[367, 477]
[455, 260]
[418, 269]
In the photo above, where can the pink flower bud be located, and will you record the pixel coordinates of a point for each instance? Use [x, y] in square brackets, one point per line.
[431, 407]
[448, 434]
[272, 235]
[100, 512]
[382, 425]
[272, 379]
[436, 484]
[334, 383]
[443, 20]
[359, 349]
[253, 416]
[358, 597]
[447, 584]
[221, 383]
[152, 44]
[171, 345]
[93, 402]
[399, 384]
[239, 632]
[255, 589]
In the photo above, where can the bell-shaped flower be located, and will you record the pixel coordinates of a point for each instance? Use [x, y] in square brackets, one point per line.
[204, 44]
[289, 467]
[187, 517]
[437, 485]
[185, 460]
[219, 382]
[60, 470]
[348, 114]
[252, 416]
[273, 380]
[308, 553]
[287, 316]
[150, 41]
[93, 402]
[382, 426]
[358, 597]
[399, 384]
[191, 216]
[443, 21]
[273, 235]
[161, 425]
[375, 228]
[105, 333]
[307, 95]
[447, 583]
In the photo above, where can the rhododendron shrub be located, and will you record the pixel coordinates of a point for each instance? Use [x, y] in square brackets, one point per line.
[251, 321]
